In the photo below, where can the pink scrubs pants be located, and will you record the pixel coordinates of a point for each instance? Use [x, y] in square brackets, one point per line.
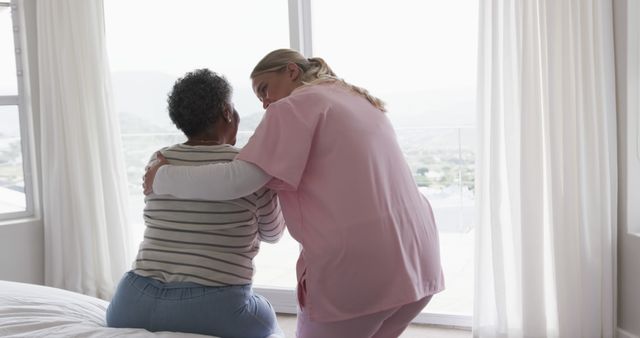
[384, 324]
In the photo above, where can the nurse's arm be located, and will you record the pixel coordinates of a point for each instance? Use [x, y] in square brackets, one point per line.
[216, 182]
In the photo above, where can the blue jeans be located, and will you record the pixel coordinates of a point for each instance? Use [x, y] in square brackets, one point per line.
[229, 311]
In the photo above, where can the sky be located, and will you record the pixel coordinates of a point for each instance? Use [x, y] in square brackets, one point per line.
[8, 84]
[395, 49]
[423, 45]
[381, 45]
[418, 55]
[174, 37]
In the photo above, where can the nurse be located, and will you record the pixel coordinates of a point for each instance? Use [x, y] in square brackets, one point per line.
[370, 259]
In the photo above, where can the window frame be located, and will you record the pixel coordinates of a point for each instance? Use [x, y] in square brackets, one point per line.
[632, 123]
[21, 102]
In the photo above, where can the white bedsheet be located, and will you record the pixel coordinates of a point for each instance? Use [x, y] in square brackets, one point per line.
[28, 310]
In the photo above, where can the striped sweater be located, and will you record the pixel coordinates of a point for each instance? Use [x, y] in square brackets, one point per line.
[207, 242]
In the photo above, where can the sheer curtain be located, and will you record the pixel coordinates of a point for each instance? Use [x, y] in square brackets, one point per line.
[546, 170]
[84, 181]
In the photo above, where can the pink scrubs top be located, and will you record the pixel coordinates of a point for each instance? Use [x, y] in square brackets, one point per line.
[369, 240]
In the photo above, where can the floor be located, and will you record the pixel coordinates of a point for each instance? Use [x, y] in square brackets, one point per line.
[288, 325]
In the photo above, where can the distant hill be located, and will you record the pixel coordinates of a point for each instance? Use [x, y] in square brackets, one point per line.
[141, 102]
[428, 109]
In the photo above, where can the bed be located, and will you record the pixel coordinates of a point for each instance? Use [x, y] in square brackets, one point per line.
[29, 310]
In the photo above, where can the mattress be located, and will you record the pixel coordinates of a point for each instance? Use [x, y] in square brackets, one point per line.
[29, 310]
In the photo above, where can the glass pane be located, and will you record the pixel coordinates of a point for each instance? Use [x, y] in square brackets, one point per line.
[8, 79]
[420, 58]
[227, 37]
[12, 193]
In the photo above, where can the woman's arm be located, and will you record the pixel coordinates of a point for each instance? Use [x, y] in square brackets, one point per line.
[270, 220]
[222, 181]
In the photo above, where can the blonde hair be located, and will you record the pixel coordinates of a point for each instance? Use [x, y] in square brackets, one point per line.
[314, 71]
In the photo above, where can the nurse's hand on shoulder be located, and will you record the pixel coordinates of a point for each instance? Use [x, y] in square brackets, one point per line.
[150, 173]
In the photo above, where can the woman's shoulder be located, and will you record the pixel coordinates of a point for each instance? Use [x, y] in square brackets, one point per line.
[184, 148]
[186, 154]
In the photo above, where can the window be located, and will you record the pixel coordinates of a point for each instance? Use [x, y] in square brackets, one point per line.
[15, 179]
[420, 58]
[421, 61]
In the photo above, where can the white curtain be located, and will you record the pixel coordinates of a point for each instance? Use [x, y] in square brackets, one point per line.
[546, 170]
[84, 181]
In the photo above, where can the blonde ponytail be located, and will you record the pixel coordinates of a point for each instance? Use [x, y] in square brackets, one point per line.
[314, 71]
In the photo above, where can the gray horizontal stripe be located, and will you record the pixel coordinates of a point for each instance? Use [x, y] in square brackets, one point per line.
[198, 243]
[200, 232]
[250, 268]
[269, 230]
[182, 150]
[239, 254]
[268, 202]
[248, 201]
[275, 207]
[273, 220]
[183, 274]
[182, 211]
[195, 266]
[263, 193]
[213, 147]
[164, 199]
[208, 160]
[263, 235]
[201, 223]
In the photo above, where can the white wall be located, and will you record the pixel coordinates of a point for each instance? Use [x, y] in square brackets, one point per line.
[629, 170]
[22, 251]
[22, 241]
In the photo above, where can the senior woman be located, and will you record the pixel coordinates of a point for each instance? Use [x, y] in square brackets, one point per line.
[194, 268]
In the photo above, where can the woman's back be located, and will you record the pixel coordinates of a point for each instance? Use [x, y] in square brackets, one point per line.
[211, 243]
